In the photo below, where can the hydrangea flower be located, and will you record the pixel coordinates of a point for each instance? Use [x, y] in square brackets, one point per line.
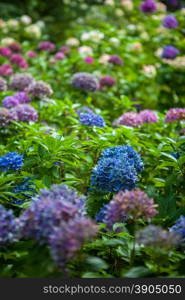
[179, 228]
[18, 98]
[6, 70]
[5, 117]
[20, 82]
[155, 236]
[9, 227]
[169, 52]
[24, 113]
[19, 60]
[46, 46]
[115, 60]
[175, 114]
[49, 209]
[84, 81]
[148, 116]
[117, 169]
[148, 6]
[4, 51]
[11, 161]
[108, 81]
[39, 89]
[3, 85]
[66, 240]
[131, 119]
[89, 59]
[170, 22]
[59, 55]
[91, 119]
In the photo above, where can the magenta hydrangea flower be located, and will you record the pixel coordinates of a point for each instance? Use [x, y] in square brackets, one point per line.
[175, 114]
[148, 116]
[59, 55]
[148, 6]
[4, 51]
[3, 85]
[107, 81]
[24, 113]
[6, 70]
[31, 54]
[115, 60]
[19, 60]
[21, 81]
[89, 60]
[39, 89]
[131, 119]
[46, 46]
[170, 22]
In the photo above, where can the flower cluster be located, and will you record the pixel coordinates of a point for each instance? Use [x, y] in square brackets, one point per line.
[134, 119]
[18, 60]
[18, 98]
[5, 117]
[24, 113]
[84, 81]
[107, 81]
[179, 228]
[175, 114]
[20, 82]
[115, 60]
[39, 89]
[117, 169]
[3, 85]
[91, 119]
[148, 6]
[6, 70]
[170, 22]
[169, 52]
[11, 161]
[46, 46]
[155, 236]
[9, 227]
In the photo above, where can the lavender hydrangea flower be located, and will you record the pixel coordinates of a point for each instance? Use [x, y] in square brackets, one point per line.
[107, 81]
[24, 113]
[179, 228]
[3, 85]
[148, 116]
[117, 169]
[84, 81]
[170, 22]
[9, 227]
[175, 114]
[11, 161]
[170, 52]
[20, 82]
[66, 240]
[148, 6]
[5, 117]
[49, 209]
[155, 236]
[18, 98]
[39, 89]
[131, 119]
[115, 60]
[91, 119]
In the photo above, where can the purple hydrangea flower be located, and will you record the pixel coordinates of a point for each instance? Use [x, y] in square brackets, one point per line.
[66, 240]
[170, 22]
[91, 119]
[5, 117]
[24, 113]
[39, 89]
[3, 85]
[108, 81]
[131, 119]
[170, 52]
[18, 98]
[148, 116]
[46, 46]
[175, 114]
[49, 209]
[9, 227]
[84, 81]
[20, 82]
[155, 236]
[148, 6]
[11, 161]
[115, 60]
[117, 169]
[179, 228]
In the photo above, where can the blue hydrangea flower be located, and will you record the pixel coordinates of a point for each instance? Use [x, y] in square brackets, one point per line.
[26, 191]
[117, 169]
[179, 228]
[11, 161]
[9, 227]
[91, 119]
